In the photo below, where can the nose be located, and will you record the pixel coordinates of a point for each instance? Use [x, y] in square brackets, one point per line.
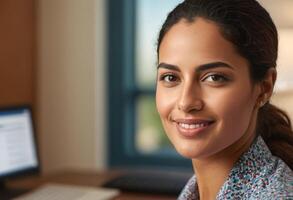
[190, 99]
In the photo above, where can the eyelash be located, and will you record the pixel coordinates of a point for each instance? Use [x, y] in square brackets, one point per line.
[162, 78]
[222, 77]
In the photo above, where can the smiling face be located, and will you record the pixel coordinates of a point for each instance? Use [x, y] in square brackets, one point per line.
[205, 97]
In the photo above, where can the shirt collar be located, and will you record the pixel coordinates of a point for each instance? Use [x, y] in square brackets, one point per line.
[246, 170]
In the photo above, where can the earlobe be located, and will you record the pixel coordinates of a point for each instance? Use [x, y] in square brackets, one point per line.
[272, 74]
[262, 102]
[267, 85]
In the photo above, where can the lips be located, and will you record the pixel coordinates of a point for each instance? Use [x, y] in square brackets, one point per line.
[192, 127]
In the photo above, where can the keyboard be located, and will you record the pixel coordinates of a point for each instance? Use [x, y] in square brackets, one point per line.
[69, 192]
[155, 183]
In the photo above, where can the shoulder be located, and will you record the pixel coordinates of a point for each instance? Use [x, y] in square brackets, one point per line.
[275, 182]
[190, 190]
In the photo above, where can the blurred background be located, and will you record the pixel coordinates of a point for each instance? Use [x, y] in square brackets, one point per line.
[88, 69]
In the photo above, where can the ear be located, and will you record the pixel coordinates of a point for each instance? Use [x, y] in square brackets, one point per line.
[267, 85]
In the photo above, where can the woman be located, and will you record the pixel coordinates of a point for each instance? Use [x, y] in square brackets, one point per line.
[216, 74]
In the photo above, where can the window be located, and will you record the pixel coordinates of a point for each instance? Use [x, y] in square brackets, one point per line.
[136, 137]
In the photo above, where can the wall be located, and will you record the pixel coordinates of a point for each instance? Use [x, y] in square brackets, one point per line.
[71, 76]
[16, 50]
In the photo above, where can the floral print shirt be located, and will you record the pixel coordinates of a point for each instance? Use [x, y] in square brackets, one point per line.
[257, 175]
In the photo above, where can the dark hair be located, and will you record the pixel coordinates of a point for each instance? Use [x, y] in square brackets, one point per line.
[247, 25]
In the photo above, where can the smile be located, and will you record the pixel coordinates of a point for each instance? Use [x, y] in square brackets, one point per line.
[190, 127]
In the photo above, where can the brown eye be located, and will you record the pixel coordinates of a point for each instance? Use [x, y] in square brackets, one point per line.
[169, 78]
[215, 78]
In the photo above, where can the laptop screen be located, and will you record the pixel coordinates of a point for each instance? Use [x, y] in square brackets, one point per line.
[17, 142]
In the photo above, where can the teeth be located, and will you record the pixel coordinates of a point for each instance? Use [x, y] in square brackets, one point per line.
[192, 126]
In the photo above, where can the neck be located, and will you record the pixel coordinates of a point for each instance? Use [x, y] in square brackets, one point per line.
[212, 172]
[210, 177]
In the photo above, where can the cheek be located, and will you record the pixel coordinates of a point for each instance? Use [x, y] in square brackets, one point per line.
[165, 102]
[233, 108]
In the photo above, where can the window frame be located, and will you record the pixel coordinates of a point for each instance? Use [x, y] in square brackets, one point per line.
[123, 91]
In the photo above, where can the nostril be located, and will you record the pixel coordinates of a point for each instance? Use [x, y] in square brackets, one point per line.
[195, 105]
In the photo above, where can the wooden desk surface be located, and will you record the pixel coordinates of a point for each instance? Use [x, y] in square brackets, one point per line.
[82, 178]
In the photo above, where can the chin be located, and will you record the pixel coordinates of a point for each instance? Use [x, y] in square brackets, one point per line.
[188, 155]
[190, 152]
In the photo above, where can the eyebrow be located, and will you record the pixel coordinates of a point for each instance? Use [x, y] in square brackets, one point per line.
[199, 69]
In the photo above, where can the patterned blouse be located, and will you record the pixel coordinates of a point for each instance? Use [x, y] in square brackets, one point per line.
[257, 175]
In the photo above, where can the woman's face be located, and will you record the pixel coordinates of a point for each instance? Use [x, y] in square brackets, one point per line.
[204, 95]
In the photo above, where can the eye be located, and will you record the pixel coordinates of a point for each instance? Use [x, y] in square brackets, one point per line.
[216, 78]
[168, 78]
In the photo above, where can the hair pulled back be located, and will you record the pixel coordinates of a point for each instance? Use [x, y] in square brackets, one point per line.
[247, 25]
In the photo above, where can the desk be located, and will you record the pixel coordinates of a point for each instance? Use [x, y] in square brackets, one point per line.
[82, 178]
